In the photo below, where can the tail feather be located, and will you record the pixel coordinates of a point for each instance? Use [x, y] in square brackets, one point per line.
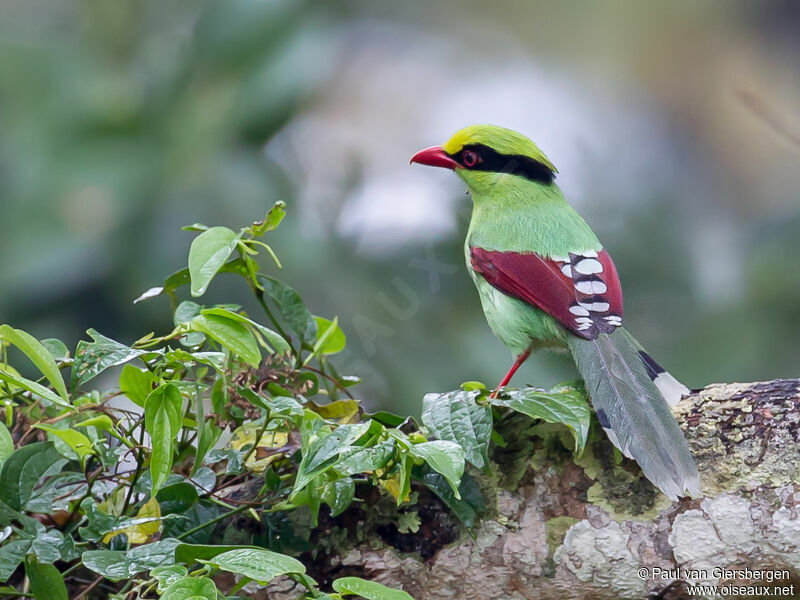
[672, 389]
[633, 410]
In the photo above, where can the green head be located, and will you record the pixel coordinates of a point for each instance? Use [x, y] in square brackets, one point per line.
[486, 155]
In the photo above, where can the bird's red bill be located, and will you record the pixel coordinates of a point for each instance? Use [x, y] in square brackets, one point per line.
[434, 157]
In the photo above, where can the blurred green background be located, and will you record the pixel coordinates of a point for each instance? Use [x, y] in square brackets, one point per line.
[675, 127]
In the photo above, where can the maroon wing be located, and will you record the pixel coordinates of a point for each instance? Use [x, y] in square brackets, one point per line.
[581, 291]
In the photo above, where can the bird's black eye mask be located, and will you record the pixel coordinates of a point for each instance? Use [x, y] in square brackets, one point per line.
[477, 157]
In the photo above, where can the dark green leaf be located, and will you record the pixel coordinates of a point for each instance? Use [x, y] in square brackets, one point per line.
[338, 494]
[291, 307]
[23, 469]
[207, 254]
[386, 418]
[176, 498]
[46, 581]
[471, 503]
[457, 417]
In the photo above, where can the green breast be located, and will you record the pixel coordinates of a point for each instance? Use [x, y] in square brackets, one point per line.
[518, 216]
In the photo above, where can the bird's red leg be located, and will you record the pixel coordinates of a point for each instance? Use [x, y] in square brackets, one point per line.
[517, 364]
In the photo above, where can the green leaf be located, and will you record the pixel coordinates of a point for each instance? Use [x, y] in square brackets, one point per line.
[168, 575]
[457, 417]
[357, 459]
[444, 457]
[117, 565]
[191, 553]
[166, 396]
[182, 277]
[291, 307]
[46, 581]
[345, 410]
[35, 388]
[231, 334]
[321, 454]
[11, 555]
[191, 588]
[398, 484]
[162, 420]
[371, 590]
[57, 349]
[207, 435]
[386, 418]
[177, 498]
[6, 443]
[274, 217]
[330, 337]
[101, 422]
[77, 442]
[186, 311]
[284, 406]
[471, 503]
[23, 469]
[136, 383]
[92, 358]
[273, 338]
[161, 455]
[39, 356]
[338, 494]
[260, 565]
[563, 404]
[207, 254]
[215, 360]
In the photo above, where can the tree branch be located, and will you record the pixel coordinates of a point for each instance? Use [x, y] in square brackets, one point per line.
[585, 528]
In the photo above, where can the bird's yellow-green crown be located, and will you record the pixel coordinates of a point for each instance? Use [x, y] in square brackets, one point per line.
[500, 139]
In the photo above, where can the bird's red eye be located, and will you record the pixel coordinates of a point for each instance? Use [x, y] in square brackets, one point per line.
[469, 158]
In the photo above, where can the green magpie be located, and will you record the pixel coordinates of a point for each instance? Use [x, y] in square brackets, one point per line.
[545, 281]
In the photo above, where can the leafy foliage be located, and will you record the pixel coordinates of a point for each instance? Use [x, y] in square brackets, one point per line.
[228, 420]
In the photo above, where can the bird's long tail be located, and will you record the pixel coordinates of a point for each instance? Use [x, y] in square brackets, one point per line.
[630, 393]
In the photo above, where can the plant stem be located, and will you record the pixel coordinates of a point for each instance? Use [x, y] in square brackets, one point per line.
[213, 521]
